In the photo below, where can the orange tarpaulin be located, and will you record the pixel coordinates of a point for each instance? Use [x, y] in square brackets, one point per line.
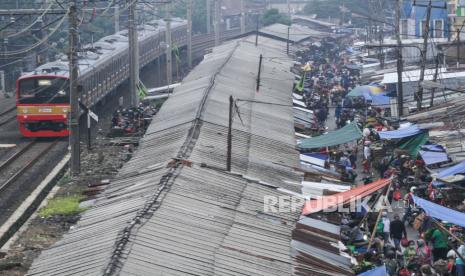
[332, 201]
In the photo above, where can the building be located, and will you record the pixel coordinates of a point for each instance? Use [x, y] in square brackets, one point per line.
[413, 21]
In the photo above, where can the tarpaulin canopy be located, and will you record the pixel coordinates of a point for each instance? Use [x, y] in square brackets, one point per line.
[379, 100]
[332, 201]
[378, 271]
[315, 159]
[436, 148]
[413, 144]
[433, 157]
[451, 171]
[343, 135]
[400, 133]
[440, 212]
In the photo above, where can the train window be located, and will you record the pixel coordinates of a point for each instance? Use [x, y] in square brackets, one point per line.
[43, 90]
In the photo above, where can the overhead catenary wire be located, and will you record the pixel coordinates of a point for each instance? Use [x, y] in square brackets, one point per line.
[23, 51]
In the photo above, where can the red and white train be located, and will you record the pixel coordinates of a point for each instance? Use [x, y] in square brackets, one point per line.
[42, 96]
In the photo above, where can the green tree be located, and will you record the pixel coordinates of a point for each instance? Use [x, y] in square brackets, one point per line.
[356, 10]
[273, 16]
[199, 14]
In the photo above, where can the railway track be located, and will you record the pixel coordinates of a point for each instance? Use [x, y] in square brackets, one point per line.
[22, 161]
[7, 116]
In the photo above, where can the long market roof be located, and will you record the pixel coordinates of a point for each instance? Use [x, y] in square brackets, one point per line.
[163, 216]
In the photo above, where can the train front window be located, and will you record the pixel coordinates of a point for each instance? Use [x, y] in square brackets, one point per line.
[43, 91]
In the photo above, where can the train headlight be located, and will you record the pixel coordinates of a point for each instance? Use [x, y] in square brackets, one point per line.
[25, 110]
[65, 110]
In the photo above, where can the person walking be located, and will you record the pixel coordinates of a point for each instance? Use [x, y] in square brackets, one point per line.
[423, 252]
[439, 240]
[387, 225]
[459, 265]
[398, 231]
[410, 254]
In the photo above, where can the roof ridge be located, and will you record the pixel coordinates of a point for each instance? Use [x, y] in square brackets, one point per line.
[154, 201]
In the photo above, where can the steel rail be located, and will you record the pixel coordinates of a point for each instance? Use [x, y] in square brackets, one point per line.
[26, 167]
[16, 155]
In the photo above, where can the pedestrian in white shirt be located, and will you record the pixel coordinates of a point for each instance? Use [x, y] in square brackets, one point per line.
[386, 229]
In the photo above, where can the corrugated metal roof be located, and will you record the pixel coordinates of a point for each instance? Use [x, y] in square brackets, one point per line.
[297, 33]
[160, 217]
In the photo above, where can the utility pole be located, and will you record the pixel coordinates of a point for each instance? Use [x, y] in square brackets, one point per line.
[400, 65]
[458, 47]
[287, 41]
[343, 12]
[189, 33]
[216, 24]
[74, 140]
[435, 78]
[370, 25]
[381, 41]
[117, 17]
[169, 46]
[133, 53]
[424, 51]
[289, 8]
[424, 55]
[242, 16]
[257, 30]
[209, 16]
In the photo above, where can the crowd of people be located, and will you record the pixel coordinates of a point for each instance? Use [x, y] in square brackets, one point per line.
[132, 120]
[405, 240]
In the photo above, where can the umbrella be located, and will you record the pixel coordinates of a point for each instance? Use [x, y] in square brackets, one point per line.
[365, 91]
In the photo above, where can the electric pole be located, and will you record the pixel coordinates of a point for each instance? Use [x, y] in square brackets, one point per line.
[343, 12]
[242, 16]
[216, 24]
[400, 65]
[117, 17]
[458, 48]
[209, 16]
[287, 41]
[189, 33]
[133, 53]
[169, 47]
[74, 140]
[435, 78]
[289, 8]
[424, 56]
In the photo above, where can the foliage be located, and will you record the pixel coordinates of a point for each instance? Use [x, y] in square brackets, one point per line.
[273, 16]
[66, 206]
[199, 14]
[332, 9]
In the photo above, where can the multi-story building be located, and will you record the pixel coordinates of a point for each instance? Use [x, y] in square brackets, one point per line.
[413, 22]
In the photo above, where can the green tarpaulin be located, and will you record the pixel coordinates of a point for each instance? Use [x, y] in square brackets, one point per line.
[344, 135]
[413, 144]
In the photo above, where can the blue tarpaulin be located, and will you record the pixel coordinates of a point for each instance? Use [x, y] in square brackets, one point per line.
[433, 157]
[379, 100]
[400, 133]
[456, 169]
[440, 212]
[379, 271]
[321, 156]
[437, 148]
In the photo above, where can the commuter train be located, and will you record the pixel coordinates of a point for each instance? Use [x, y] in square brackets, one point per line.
[42, 96]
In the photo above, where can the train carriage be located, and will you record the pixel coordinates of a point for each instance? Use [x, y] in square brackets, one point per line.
[42, 96]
